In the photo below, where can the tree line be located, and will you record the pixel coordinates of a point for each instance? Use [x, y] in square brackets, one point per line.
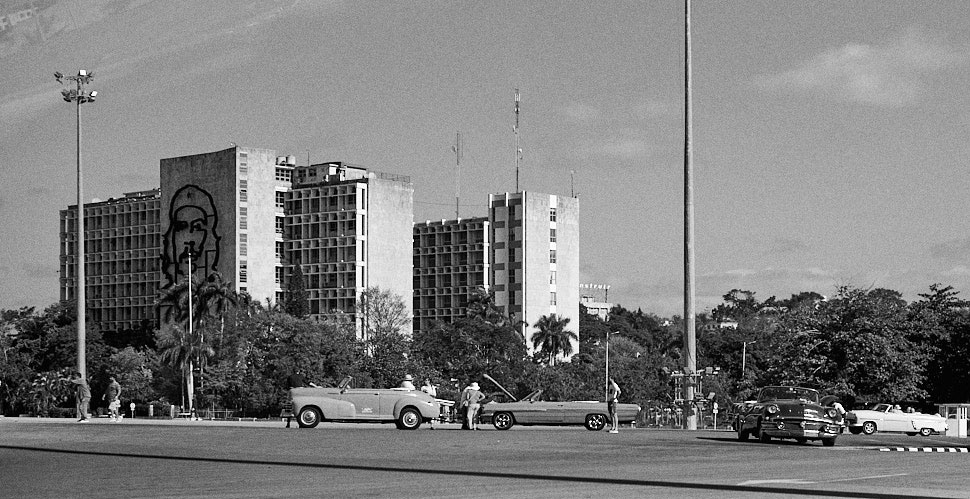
[231, 352]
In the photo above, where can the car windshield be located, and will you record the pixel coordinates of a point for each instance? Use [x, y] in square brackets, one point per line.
[788, 393]
[881, 407]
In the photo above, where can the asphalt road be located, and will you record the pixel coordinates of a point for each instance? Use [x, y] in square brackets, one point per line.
[142, 458]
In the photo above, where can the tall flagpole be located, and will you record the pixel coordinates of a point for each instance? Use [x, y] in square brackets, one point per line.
[690, 343]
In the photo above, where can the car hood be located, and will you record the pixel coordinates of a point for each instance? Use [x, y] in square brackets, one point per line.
[797, 408]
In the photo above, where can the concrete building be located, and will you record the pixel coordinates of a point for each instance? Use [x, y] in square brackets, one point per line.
[535, 257]
[350, 229]
[451, 260]
[223, 212]
[122, 241]
[596, 299]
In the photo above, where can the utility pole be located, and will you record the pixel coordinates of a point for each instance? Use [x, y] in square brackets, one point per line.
[690, 339]
[79, 96]
[518, 150]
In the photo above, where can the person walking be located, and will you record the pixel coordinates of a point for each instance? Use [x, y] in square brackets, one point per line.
[83, 397]
[475, 397]
[613, 395]
[113, 396]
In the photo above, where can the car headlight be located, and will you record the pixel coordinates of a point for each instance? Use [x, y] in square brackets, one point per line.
[772, 409]
[831, 412]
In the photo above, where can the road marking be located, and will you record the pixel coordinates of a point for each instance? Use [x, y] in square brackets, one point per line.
[925, 449]
[796, 481]
[864, 478]
[802, 481]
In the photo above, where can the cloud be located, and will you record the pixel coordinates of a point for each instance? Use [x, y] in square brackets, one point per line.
[888, 75]
[953, 252]
[785, 246]
[581, 113]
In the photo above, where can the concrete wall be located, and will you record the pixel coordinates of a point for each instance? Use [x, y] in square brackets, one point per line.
[390, 218]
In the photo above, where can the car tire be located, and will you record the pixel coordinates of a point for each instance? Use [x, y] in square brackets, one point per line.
[828, 442]
[743, 435]
[595, 422]
[410, 419]
[309, 417]
[502, 420]
[762, 436]
[855, 430]
[926, 432]
[869, 427]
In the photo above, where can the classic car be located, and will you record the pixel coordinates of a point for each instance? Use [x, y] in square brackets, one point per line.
[406, 408]
[789, 412]
[882, 417]
[532, 410]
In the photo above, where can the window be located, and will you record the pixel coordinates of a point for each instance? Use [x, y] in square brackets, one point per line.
[280, 199]
[283, 175]
[243, 218]
[243, 271]
[552, 235]
[552, 298]
[552, 256]
[279, 225]
[243, 166]
[552, 214]
[279, 275]
[279, 250]
[243, 244]
[552, 277]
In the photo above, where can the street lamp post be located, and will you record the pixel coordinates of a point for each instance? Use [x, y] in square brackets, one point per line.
[79, 96]
[744, 355]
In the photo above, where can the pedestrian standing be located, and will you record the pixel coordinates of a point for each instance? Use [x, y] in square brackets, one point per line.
[475, 397]
[462, 405]
[407, 383]
[295, 380]
[83, 397]
[113, 396]
[613, 395]
[432, 391]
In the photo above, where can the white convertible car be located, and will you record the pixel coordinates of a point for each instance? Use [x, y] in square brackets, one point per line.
[881, 417]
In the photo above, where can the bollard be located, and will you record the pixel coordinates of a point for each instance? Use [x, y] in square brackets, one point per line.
[151, 410]
[132, 407]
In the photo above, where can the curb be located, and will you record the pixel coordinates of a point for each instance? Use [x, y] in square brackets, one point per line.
[925, 449]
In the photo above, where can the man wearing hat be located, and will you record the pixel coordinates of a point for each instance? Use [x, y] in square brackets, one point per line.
[407, 383]
[475, 397]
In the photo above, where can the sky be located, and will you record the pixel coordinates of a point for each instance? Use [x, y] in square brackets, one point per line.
[830, 138]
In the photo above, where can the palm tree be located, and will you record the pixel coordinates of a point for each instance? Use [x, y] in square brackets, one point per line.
[177, 347]
[211, 299]
[552, 337]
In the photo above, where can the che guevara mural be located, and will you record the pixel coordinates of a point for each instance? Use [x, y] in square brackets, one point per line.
[191, 236]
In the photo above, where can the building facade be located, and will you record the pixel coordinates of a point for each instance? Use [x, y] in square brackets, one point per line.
[122, 241]
[535, 257]
[451, 260]
[350, 229]
[222, 212]
[596, 299]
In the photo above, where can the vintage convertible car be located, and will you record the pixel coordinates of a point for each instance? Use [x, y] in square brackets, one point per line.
[789, 412]
[406, 408]
[532, 410]
[881, 417]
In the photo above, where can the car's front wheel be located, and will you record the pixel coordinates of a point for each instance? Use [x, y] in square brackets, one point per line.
[503, 420]
[828, 442]
[926, 432]
[868, 427]
[595, 422]
[742, 435]
[309, 417]
[855, 430]
[410, 419]
[762, 436]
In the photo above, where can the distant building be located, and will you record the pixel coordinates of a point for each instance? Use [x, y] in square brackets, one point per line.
[535, 257]
[451, 260]
[596, 299]
[122, 241]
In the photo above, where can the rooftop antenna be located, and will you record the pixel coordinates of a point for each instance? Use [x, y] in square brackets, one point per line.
[457, 150]
[572, 183]
[515, 130]
[308, 157]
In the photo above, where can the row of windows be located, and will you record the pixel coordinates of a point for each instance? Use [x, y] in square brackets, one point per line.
[448, 259]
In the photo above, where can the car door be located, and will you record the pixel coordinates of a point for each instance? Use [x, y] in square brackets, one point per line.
[366, 401]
